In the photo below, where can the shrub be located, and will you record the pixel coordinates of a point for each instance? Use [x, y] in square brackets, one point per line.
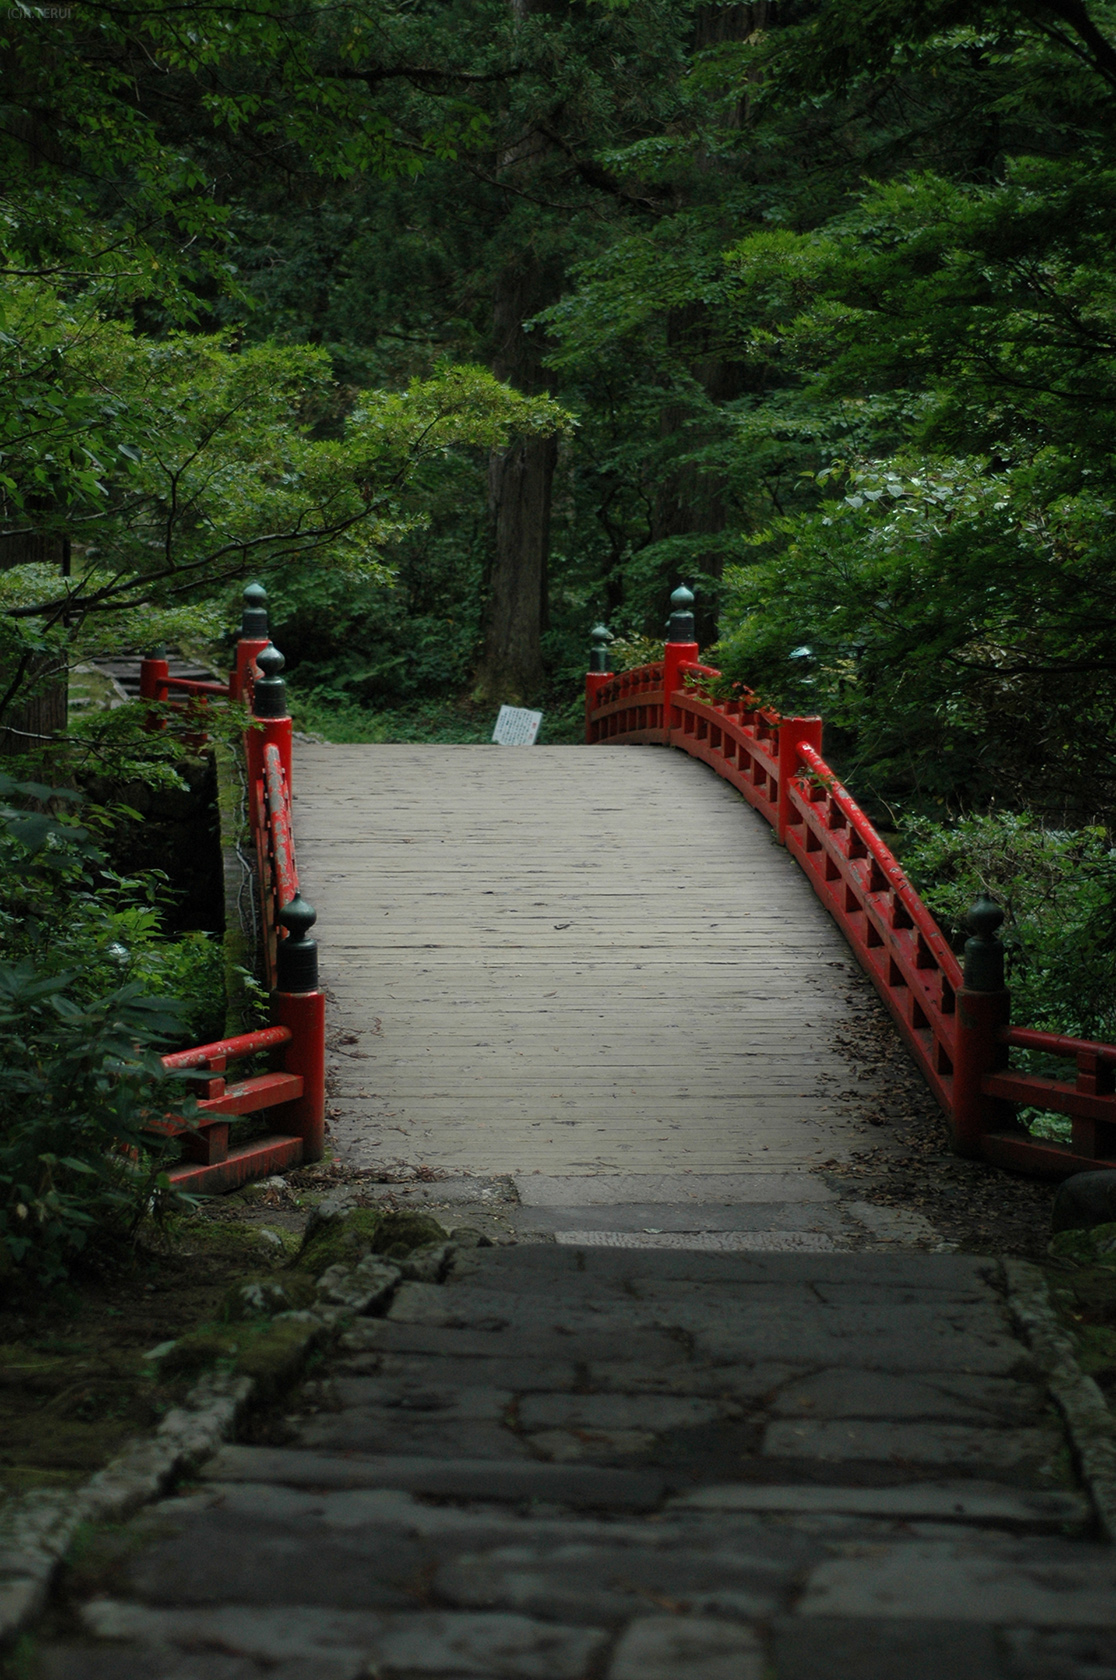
[1058, 890]
[80, 1035]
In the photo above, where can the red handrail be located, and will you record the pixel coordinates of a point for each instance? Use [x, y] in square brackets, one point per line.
[959, 1036]
[293, 1089]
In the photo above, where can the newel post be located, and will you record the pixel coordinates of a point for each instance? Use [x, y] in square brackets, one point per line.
[298, 1003]
[251, 642]
[983, 1010]
[269, 705]
[596, 677]
[154, 671]
[793, 732]
[681, 649]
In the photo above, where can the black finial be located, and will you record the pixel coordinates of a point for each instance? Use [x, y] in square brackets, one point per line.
[296, 957]
[253, 619]
[269, 693]
[600, 636]
[984, 955]
[680, 627]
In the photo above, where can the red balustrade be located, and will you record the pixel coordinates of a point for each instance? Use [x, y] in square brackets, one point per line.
[955, 1023]
[292, 1090]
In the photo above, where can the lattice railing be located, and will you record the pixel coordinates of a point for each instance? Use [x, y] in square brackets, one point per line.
[954, 1020]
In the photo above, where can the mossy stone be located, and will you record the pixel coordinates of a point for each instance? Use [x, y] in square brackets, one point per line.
[276, 1359]
[348, 1235]
[264, 1297]
[1095, 1247]
[192, 1354]
[341, 1239]
[399, 1233]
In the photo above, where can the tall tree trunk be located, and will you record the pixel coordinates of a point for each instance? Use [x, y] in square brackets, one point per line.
[35, 690]
[520, 478]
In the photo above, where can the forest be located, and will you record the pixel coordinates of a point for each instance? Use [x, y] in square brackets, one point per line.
[465, 324]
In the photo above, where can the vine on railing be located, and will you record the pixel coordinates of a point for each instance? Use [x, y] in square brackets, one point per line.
[954, 1020]
[292, 1093]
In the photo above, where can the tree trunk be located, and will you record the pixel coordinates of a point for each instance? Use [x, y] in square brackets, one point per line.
[519, 481]
[521, 477]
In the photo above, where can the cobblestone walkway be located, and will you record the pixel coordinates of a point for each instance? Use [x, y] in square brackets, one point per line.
[583, 1463]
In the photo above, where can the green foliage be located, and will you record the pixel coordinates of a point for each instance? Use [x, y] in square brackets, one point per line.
[88, 988]
[66, 912]
[77, 1083]
[1058, 890]
[949, 622]
[176, 465]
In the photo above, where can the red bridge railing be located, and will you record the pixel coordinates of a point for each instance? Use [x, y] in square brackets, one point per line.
[292, 1090]
[955, 1020]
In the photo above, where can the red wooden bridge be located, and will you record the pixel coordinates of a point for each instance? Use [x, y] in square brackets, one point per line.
[428, 1071]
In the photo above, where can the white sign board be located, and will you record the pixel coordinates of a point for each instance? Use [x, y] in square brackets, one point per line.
[516, 727]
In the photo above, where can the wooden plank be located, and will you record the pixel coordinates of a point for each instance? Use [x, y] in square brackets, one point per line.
[683, 1020]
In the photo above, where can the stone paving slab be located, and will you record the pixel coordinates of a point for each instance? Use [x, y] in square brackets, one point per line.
[584, 1465]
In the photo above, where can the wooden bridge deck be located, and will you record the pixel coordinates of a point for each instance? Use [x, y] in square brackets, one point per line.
[568, 960]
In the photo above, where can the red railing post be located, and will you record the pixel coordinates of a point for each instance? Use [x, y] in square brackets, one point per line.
[154, 671]
[983, 1011]
[269, 706]
[298, 1004]
[793, 732]
[680, 649]
[251, 642]
[596, 677]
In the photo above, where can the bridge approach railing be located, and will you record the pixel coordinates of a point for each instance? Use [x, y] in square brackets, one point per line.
[291, 1092]
[954, 1018]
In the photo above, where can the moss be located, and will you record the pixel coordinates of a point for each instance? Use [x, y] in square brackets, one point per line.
[264, 1297]
[345, 1237]
[193, 1354]
[400, 1233]
[1096, 1348]
[277, 1358]
[341, 1240]
[1095, 1247]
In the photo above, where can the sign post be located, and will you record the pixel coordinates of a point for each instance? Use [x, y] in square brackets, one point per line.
[516, 727]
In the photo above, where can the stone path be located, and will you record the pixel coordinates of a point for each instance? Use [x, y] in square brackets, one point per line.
[574, 1463]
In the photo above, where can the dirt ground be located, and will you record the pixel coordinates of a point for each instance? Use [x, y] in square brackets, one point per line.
[981, 1208]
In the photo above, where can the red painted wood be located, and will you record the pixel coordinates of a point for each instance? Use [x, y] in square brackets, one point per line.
[258, 1159]
[244, 674]
[1056, 1095]
[594, 682]
[1039, 1157]
[304, 1014]
[228, 1049]
[675, 656]
[153, 678]
[248, 1096]
[279, 823]
[1056, 1044]
[978, 1108]
[206, 1144]
[189, 686]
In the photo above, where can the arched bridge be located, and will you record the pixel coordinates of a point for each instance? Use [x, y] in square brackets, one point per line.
[577, 961]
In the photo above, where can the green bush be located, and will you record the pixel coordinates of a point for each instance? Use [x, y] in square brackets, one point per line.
[1058, 891]
[78, 1083]
[65, 910]
[80, 1033]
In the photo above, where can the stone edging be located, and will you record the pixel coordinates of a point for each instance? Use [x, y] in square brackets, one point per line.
[1089, 1422]
[37, 1529]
